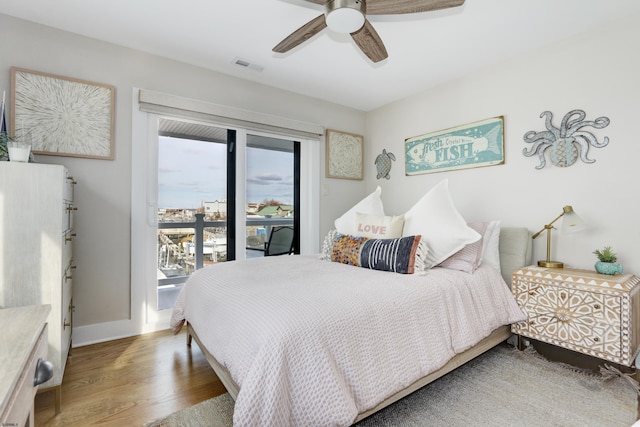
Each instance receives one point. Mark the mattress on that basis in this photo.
(311, 342)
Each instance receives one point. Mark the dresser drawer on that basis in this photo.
(67, 247)
(68, 190)
(67, 325)
(580, 320)
(21, 402)
(67, 292)
(68, 211)
(67, 314)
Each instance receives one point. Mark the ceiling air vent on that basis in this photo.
(246, 64)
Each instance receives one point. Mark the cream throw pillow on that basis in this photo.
(379, 226)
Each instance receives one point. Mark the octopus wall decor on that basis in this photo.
(566, 143)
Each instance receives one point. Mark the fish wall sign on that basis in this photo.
(468, 146)
(567, 142)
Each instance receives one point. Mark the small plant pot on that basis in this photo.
(610, 268)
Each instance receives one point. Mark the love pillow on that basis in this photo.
(379, 226)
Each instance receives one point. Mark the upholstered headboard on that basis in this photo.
(515, 250)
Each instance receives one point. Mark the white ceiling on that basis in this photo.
(425, 49)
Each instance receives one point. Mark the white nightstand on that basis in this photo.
(581, 310)
(23, 347)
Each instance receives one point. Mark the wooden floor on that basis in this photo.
(133, 381)
(130, 382)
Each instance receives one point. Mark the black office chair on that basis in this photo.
(280, 241)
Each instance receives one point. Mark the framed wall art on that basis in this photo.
(62, 116)
(344, 155)
(469, 146)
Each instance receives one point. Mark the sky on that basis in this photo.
(192, 172)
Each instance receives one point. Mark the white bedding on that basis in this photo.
(314, 343)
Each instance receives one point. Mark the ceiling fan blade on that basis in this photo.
(370, 42)
(393, 7)
(302, 34)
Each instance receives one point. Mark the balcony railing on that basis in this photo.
(199, 226)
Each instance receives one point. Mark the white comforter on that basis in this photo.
(314, 343)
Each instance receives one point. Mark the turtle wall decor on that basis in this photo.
(383, 164)
(568, 142)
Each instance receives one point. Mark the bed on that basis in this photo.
(297, 340)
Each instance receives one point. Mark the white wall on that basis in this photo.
(596, 72)
(102, 278)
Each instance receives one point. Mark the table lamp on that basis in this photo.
(570, 223)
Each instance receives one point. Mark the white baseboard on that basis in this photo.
(109, 331)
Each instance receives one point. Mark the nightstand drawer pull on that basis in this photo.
(596, 306)
(596, 339)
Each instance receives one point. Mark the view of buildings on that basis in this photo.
(176, 245)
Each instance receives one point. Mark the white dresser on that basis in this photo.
(36, 238)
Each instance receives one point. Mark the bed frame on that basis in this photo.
(515, 252)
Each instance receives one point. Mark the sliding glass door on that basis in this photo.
(197, 194)
(272, 191)
(192, 189)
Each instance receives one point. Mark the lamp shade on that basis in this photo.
(571, 222)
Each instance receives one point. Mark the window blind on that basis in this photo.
(185, 108)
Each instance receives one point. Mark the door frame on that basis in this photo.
(144, 163)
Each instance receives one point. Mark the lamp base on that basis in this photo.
(550, 264)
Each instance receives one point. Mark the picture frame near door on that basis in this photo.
(344, 157)
(62, 116)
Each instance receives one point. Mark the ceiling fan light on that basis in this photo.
(345, 16)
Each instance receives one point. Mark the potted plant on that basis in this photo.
(4, 150)
(607, 261)
(23, 154)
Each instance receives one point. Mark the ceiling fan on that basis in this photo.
(349, 16)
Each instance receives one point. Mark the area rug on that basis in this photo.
(503, 387)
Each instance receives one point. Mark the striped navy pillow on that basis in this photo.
(403, 255)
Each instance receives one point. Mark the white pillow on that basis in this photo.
(491, 245)
(436, 219)
(371, 205)
(379, 226)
